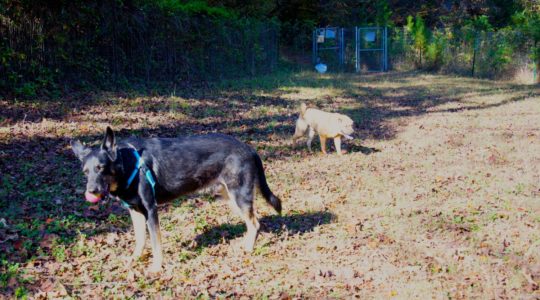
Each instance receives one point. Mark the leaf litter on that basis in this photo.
(437, 196)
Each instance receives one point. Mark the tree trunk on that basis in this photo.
(475, 48)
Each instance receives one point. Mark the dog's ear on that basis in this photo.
(109, 143)
(79, 149)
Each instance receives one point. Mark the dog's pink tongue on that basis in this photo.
(93, 198)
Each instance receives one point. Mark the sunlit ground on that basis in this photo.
(439, 195)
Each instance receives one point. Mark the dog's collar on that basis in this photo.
(138, 166)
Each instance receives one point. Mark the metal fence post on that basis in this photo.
(385, 68)
(359, 48)
(342, 47)
(314, 58)
(356, 49)
(382, 54)
(340, 50)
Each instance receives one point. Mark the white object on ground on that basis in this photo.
(321, 68)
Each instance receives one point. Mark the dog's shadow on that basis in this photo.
(352, 148)
(349, 148)
(292, 224)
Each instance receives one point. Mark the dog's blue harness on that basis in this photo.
(140, 165)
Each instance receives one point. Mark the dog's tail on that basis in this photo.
(270, 198)
(303, 108)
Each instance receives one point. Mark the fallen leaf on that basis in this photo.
(47, 286)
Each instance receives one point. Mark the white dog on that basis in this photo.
(326, 125)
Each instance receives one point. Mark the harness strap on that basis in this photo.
(140, 165)
(137, 167)
(125, 204)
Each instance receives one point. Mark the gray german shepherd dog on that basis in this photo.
(145, 172)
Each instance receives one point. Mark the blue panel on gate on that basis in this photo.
(369, 36)
(330, 34)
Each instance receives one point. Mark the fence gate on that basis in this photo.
(356, 49)
(328, 47)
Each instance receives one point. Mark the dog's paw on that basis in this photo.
(238, 246)
(247, 247)
(242, 246)
(130, 260)
(153, 271)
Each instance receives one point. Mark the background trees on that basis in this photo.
(48, 47)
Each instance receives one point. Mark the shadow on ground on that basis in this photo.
(41, 179)
(291, 224)
(353, 147)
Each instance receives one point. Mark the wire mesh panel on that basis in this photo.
(371, 47)
(328, 47)
(354, 49)
(349, 49)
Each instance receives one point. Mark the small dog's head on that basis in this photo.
(98, 166)
(346, 124)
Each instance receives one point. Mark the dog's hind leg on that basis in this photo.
(252, 224)
(322, 138)
(139, 227)
(155, 240)
(311, 135)
(241, 202)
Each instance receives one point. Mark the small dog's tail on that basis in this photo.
(270, 198)
(303, 108)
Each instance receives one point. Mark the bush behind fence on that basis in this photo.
(108, 46)
(502, 54)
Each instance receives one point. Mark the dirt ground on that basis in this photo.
(437, 197)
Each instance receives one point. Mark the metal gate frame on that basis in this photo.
(340, 46)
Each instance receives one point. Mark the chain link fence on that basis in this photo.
(117, 47)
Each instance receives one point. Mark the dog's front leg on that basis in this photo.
(337, 143)
(300, 130)
(152, 221)
(139, 227)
